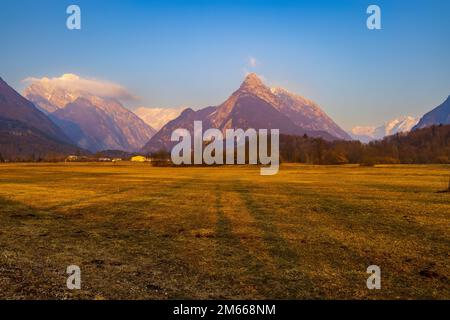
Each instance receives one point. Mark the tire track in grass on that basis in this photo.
(240, 271)
(249, 264)
(278, 247)
(334, 268)
(292, 282)
(187, 228)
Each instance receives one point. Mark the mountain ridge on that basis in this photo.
(369, 133)
(252, 105)
(438, 115)
(15, 107)
(118, 127)
(26, 133)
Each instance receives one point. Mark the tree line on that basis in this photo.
(427, 145)
(421, 146)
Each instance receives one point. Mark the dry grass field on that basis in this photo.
(140, 232)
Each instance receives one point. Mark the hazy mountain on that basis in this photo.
(25, 132)
(439, 115)
(94, 122)
(367, 134)
(253, 105)
(157, 117)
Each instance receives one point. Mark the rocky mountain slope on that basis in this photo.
(112, 126)
(255, 105)
(26, 133)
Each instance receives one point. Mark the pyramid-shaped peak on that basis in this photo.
(252, 76)
(252, 80)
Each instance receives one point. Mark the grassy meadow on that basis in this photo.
(141, 232)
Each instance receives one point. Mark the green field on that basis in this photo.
(141, 232)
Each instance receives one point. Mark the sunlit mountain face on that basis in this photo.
(255, 105)
(89, 113)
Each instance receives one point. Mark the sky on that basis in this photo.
(196, 53)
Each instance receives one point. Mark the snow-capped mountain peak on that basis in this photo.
(91, 118)
(369, 133)
(157, 117)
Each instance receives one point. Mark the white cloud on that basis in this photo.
(252, 62)
(74, 83)
(157, 117)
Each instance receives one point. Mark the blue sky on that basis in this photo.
(195, 53)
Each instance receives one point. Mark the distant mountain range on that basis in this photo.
(367, 134)
(439, 115)
(65, 121)
(26, 133)
(257, 106)
(92, 122)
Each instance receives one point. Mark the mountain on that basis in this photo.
(254, 105)
(439, 115)
(367, 134)
(93, 122)
(307, 114)
(89, 126)
(15, 107)
(25, 132)
(157, 117)
(161, 140)
(22, 142)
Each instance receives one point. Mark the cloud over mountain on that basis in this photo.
(252, 62)
(90, 112)
(73, 82)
